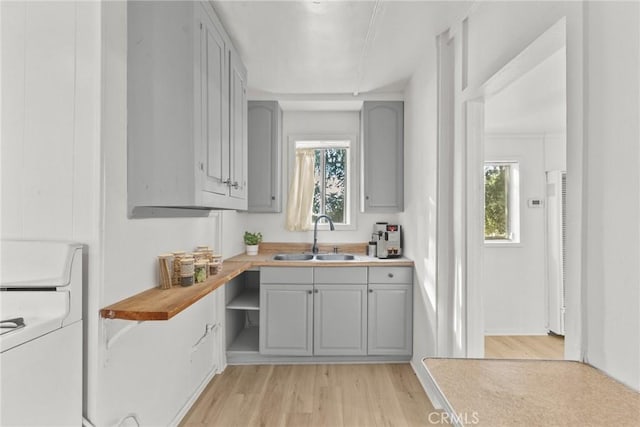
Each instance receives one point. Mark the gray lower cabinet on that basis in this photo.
(286, 319)
(390, 307)
(340, 320)
(286, 311)
(333, 311)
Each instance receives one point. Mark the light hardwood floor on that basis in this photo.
(313, 395)
(547, 347)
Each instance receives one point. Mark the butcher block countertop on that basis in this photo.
(159, 304)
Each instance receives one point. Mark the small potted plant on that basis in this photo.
(252, 240)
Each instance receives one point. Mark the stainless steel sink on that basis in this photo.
(310, 257)
(293, 257)
(335, 257)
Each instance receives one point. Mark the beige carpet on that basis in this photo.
(533, 393)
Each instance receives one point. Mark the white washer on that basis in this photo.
(40, 362)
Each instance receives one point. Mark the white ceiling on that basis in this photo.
(334, 47)
(535, 103)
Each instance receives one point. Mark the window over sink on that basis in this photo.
(321, 182)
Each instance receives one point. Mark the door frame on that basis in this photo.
(472, 160)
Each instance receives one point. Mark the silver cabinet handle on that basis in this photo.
(309, 292)
(370, 291)
(235, 185)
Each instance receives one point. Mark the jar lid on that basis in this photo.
(165, 256)
(201, 263)
(179, 253)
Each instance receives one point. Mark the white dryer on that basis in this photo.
(40, 333)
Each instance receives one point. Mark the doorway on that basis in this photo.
(517, 130)
(524, 165)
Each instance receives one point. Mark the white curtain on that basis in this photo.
(300, 200)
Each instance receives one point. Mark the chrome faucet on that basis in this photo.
(314, 248)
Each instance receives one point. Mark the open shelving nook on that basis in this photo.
(243, 314)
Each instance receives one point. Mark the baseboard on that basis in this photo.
(438, 399)
(194, 397)
(502, 333)
(427, 384)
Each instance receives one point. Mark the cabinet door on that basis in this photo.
(390, 319)
(238, 120)
(382, 148)
(215, 108)
(340, 320)
(265, 121)
(286, 319)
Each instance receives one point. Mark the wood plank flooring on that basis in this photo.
(314, 395)
(545, 347)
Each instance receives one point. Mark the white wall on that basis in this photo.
(613, 204)
(420, 161)
(514, 274)
(131, 246)
(50, 89)
(497, 33)
(603, 204)
(555, 152)
(301, 123)
(51, 166)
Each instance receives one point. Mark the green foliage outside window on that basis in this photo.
(329, 195)
(496, 202)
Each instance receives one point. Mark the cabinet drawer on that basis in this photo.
(280, 275)
(390, 275)
(340, 275)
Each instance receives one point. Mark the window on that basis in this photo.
(329, 191)
(330, 183)
(501, 202)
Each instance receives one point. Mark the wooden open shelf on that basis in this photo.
(163, 304)
(159, 304)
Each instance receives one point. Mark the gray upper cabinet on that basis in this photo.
(265, 154)
(383, 156)
(184, 109)
(238, 129)
(390, 307)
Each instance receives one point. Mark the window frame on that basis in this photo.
(352, 175)
(513, 199)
